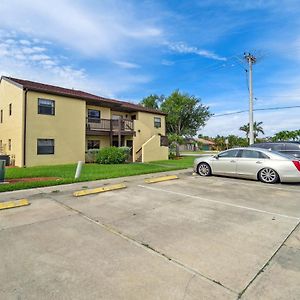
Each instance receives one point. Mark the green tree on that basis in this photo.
(185, 115)
(257, 128)
(152, 101)
(286, 135)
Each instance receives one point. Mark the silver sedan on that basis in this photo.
(253, 163)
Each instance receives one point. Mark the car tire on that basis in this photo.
(204, 169)
(268, 175)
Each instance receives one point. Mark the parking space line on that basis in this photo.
(221, 202)
(255, 184)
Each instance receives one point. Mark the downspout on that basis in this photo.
(25, 128)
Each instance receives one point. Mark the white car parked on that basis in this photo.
(253, 163)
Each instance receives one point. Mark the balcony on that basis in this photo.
(96, 126)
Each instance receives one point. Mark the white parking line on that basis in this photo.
(221, 202)
(254, 184)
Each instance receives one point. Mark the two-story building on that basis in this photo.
(42, 124)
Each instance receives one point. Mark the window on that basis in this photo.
(9, 145)
(1, 116)
(290, 146)
(157, 122)
(45, 146)
(91, 144)
(94, 116)
(276, 147)
(46, 107)
(10, 109)
(253, 154)
(1, 145)
(229, 153)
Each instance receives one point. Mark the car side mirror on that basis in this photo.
(216, 156)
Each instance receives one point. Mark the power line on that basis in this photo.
(257, 109)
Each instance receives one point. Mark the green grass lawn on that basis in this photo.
(89, 172)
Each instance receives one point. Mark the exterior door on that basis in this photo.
(225, 163)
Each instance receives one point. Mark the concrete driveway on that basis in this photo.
(190, 238)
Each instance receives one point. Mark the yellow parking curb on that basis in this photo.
(13, 204)
(159, 179)
(100, 190)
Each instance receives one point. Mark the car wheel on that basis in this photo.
(268, 175)
(204, 169)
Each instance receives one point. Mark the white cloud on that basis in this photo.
(166, 62)
(127, 65)
(181, 47)
(100, 29)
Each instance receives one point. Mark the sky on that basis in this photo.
(130, 49)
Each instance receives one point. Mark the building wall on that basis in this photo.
(66, 127)
(144, 128)
(152, 150)
(12, 126)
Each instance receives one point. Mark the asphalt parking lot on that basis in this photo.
(190, 238)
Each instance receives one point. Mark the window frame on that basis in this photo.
(40, 112)
(45, 153)
(157, 124)
(93, 141)
(92, 119)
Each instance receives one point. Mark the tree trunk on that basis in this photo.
(177, 150)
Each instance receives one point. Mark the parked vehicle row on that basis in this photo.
(252, 163)
(291, 148)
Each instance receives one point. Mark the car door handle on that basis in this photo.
(259, 162)
(233, 161)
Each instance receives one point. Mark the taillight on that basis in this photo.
(297, 164)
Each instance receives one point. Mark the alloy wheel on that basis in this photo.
(204, 169)
(268, 175)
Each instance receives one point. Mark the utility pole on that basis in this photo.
(251, 59)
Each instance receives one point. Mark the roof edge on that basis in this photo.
(12, 81)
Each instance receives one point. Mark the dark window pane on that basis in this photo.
(290, 146)
(46, 107)
(157, 122)
(45, 146)
(94, 116)
(93, 144)
(276, 147)
(229, 153)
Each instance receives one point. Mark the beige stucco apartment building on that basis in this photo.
(42, 124)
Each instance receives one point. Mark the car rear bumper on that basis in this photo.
(290, 178)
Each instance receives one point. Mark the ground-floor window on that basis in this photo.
(45, 146)
(9, 144)
(93, 144)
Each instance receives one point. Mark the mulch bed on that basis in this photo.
(32, 179)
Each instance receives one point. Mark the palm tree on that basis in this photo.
(257, 129)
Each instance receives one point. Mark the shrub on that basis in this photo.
(172, 155)
(112, 155)
(91, 155)
(126, 151)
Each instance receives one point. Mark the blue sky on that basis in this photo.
(130, 49)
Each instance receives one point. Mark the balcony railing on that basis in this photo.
(109, 125)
